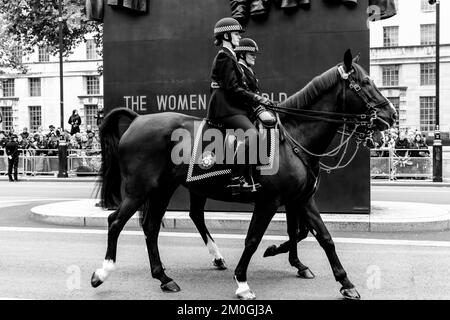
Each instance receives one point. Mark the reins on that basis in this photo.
(365, 121)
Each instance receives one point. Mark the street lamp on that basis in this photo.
(62, 148)
(437, 142)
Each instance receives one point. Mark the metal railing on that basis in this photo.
(401, 163)
(33, 162)
(385, 163)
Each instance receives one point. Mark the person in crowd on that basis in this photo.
(402, 145)
(24, 134)
(420, 147)
(75, 122)
(12, 151)
(100, 115)
(40, 144)
(3, 141)
(11, 133)
(40, 131)
(51, 132)
(53, 144)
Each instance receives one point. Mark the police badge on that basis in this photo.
(208, 160)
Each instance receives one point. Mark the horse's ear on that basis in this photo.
(356, 59)
(348, 60)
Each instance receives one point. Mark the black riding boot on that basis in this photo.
(242, 179)
(239, 10)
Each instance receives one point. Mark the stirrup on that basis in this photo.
(240, 185)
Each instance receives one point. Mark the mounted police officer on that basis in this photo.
(232, 102)
(246, 53)
(12, 151)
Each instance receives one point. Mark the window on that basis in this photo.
(390, 75)
(7, 114)
(425, 6)
(427, 34)
(427, 113)
(390, 36)
(427, 74)
(90, 111)
(91, 50)
(35, 117)
(34, 87)
(92, 85)
(17, 54)
(8, 87)
(44, 56)
(396, 102)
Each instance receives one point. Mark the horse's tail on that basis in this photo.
(113, 127)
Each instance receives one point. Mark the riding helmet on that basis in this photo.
(226, 25)
(247, 45)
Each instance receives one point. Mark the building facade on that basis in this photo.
(402, 59)
(33, 99)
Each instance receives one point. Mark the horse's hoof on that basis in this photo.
(246, 295)
(270, 251)
(170, 286)
(95, 280)
(305, 274)
(350, 294)
(220, 264)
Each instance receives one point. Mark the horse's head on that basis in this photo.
(361, 96)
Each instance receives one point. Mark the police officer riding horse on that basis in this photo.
(235, 98)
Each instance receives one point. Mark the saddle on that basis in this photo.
(216, 149)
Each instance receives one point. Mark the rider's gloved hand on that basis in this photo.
(265, 101)
(266, 117)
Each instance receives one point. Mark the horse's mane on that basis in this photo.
(316, 88)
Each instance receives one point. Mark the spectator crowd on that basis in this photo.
(46, 142)
(403, 143)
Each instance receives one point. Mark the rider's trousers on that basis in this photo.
(242, 122)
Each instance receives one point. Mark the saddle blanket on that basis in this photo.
(208, 162)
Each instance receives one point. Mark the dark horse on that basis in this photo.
(138, 171)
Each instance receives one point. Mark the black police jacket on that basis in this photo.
(230, 93)
(12, 149)
(251, 80)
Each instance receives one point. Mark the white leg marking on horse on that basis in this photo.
(107, 267)
(213, 249)
(243, 291)
(243, 288)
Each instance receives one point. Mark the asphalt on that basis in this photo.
(57, 264)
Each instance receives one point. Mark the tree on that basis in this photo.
(26, 24)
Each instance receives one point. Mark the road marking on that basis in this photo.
(412, 189)
(38, 199)
(389, 242)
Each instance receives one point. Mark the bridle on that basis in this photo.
(362, 124)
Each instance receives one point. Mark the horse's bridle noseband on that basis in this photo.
(367, 128)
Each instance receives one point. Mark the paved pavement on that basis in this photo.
(402, 212)
(385, 217)
(374, 182)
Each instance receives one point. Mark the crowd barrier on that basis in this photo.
(404, 164)
(45, 162)
(385, 163)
